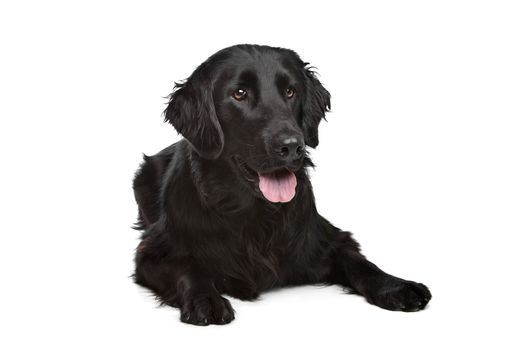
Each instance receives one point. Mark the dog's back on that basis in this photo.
(147, 185)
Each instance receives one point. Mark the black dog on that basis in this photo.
(230, 209)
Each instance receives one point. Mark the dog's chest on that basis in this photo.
(272, 254)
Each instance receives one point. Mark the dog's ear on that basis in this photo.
(314, 107)
(192, 112)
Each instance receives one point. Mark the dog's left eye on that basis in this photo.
(290, 92)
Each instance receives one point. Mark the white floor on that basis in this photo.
(83, 299)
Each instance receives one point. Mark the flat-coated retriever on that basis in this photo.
(230, 209)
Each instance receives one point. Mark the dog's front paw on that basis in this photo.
(397, 294)
(205, 309)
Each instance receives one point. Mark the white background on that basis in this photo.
(422, 157)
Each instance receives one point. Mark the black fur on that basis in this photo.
(209, 231)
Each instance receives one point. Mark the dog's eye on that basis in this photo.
(239, 94)
(290, 92)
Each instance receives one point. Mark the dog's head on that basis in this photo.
(256, 107)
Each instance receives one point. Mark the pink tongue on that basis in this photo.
(278, 188)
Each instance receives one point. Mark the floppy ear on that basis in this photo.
(315, 105)
(192, 112)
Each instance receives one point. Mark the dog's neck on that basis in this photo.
(218, 186)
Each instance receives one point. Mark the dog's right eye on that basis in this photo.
(239, 94)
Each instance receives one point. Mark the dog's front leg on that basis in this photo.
(182, 283)
(200, 302)
(352, 269)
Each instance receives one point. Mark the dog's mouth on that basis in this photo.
(277, 185)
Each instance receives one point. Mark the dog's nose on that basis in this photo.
(290, 148)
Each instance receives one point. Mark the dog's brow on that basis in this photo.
(248, 78)
(282, 81)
